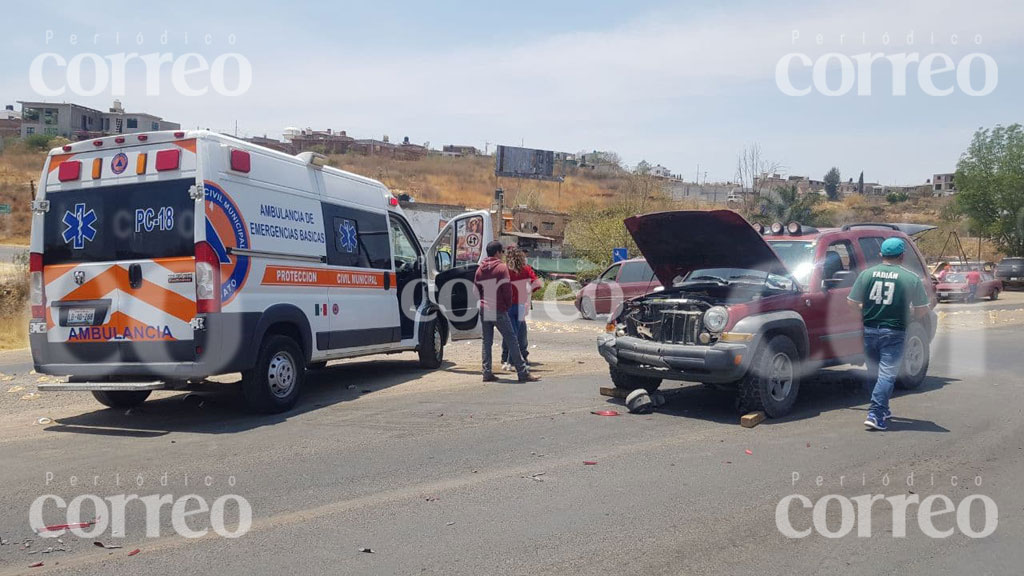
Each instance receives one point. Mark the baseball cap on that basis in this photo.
(893, 247)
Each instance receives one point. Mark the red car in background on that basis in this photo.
(954, 287)
(621, 281)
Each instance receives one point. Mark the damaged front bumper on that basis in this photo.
(718, 363)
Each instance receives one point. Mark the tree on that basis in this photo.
(785, 206)
(860, 183)
(990, 185)
(832, 180)
(595, 229)
(752, 168)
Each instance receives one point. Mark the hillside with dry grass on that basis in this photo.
(470, 181)
(19, 167)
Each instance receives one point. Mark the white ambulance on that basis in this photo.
(159, 259)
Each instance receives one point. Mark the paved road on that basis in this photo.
(441, 474)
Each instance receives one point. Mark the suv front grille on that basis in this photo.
(668, 326)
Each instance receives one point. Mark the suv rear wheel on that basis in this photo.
(625, 381)
(773, 380)
(916, 357)
(274, 383)
(121, 398)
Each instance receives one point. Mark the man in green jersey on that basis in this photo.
(886, 295)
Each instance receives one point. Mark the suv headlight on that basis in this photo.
(716, 318)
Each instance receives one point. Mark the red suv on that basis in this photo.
(623, 280)
(751, 309)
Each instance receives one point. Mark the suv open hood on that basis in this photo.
(675, 243)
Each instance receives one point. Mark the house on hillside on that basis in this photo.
(942, 185)
(76, 122)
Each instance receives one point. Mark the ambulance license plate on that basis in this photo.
(81, 316)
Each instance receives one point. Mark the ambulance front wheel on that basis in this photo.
(121, 398)
(274, 383)
(432, 345)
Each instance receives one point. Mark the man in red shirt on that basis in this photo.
(494, 287)
(973, 281)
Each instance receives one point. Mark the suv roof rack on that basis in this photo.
(870, 225)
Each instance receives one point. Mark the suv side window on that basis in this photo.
(912, 263)
(871, 247)
(610, 274)
(839, 257)
(636, 272)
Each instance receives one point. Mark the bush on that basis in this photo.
(896, 197)
(38, 141)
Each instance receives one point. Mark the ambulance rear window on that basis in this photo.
(139, 221)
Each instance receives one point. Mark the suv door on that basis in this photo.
(452, 262)
(834, 329)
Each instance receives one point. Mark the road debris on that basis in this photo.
(613, 392)
(134, 552)
(44, 420)
(366, 550)
(536, 476)
(59, 527)
(449, 524)
(605, 412)
(106, 546)
(590, 463)
(752, 419)
(639, 402)
(749, 452)
(36, 565)
(13, 389)
(30, 396)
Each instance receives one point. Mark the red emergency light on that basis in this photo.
(69, 170)
(168, 159)
(240, 161)
(142, 137)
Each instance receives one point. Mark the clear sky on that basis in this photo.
(681, 84)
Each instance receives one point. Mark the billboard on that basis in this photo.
(515, 162)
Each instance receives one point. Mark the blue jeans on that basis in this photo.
(517, 317)
(973, 295)
(884, 350)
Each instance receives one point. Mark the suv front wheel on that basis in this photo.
(773, 380)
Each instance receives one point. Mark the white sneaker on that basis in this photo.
(506, 367)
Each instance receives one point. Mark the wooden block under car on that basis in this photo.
(752, 419)
(613, 392)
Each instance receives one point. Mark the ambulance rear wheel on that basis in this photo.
(121, 398)
(432, 346)
(274, 383)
